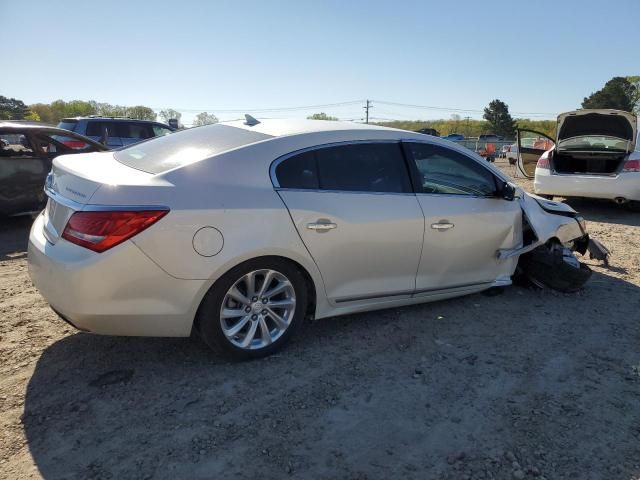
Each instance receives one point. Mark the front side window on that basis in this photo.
(362, 167)
(445, 171)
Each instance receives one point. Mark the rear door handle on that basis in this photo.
(322, 226)
(442, 226)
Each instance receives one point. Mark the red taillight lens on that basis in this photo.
(543, 162)
(75, 144)
(99, 231)
(631, 166)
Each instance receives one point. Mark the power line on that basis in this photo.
(261, 110)
(453, 109)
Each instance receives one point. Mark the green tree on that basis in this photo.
(321, 116)
(141, 113)
(170, 113)
(635, 81)
(500, 121)
(205, 118)
(617, 93)
(32, 116)
(43, 110)
(12, 109)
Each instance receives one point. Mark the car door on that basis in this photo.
(354, 209)
(531, 145)
(466, 221)
(23, 170)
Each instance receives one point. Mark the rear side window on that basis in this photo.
(182, 148)
(138, 131)
(68, 124)
(95, 129)
(299, 171)
(445, 171)
(365, 167)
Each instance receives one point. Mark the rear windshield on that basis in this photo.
(182, 148)
(68, 124)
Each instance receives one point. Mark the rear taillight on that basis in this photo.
(631, 166)
(99, 231)
(75, 144)
(543, 162)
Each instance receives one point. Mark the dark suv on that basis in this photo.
(120, 131)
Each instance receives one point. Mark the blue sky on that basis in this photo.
(539, 57)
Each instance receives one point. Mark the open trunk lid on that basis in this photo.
(73, 181)
(598, 122)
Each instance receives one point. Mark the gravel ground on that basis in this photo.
(526, 384)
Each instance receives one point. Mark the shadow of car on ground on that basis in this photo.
(460, 386)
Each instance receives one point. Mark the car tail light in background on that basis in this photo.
(543, 162)
(74, 144)
(631, 166)
(100, 231)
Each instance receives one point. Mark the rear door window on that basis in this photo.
(136, 131)
(365, 167)
(96, 128)
(361, 167)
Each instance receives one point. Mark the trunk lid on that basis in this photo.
(73, 181)
(598, 122)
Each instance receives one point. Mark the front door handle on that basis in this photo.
(442, 226)
(322, 226)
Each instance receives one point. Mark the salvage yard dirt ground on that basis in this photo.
(526, 384)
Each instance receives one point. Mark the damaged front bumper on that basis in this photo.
(545, 220)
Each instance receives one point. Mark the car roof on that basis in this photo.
(283, 127)
(114, 119)
(27, 125)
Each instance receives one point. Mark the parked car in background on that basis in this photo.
(429, 131)
(593, 156)
(26, 154)
(512, 153)
(278, 220)
(454, 137)
(120, 132)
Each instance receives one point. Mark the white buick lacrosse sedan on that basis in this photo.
(241, 230)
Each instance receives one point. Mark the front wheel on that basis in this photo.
(254, 309)
(554, 266)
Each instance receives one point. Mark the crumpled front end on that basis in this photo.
(553, 231)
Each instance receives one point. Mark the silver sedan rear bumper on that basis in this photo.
(119, 292)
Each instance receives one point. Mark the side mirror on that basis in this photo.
(507, 191)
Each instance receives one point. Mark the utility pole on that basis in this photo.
(467, 129)
(366, 109)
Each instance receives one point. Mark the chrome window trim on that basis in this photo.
(77, 207)
(359, 192)
(279, 160)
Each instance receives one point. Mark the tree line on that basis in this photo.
(621, 93)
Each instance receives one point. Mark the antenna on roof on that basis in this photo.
(249, 120)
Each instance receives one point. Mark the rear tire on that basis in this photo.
(546, 267)
(239, 318)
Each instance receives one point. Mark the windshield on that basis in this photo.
(68, 124)
(182, 148)
(595, 142)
